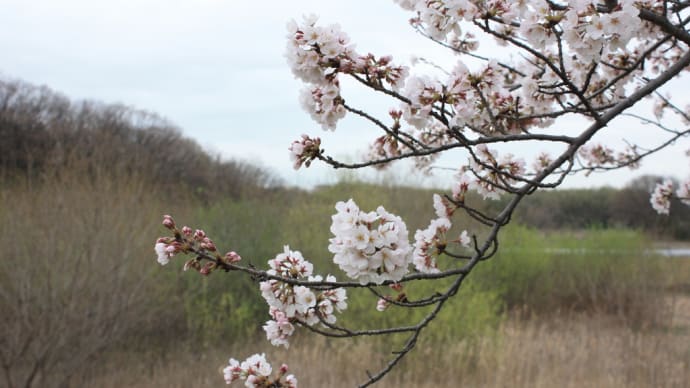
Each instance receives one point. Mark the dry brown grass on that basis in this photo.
(563, 351)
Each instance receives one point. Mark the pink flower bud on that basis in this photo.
(283, 369)
(381, 305)
(207, 269)
(187, 231)
(206, 243)
(199, 235)
(305, 150)
(168, 222)
(232, 257)
(395, 114)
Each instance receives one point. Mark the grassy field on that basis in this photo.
(89, 306)
(563, 350)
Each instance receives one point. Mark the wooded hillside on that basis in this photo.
(43, 131)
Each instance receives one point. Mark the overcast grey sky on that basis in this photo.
(216, 69)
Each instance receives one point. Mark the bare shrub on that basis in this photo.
(73, 282)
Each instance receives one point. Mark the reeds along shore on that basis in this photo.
(568, 350)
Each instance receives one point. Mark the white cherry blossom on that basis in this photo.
(369, 246)
(661, 196)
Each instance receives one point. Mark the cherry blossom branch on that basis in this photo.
(396, 134)
(421, 31)
(572, 62)
(261, 275)
(665, 25)
(465, 143)
(637, 158)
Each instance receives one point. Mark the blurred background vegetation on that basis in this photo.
(83, 186)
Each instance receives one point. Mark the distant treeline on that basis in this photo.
(43, 132)
(628, 207)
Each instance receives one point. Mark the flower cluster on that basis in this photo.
(663, 192)
(305, 150)
(378, 71)
(167, 247)
(290, 304)
(317, 54)
(492, 172)
(582, 25)
(324, 104)
(513, 96)
(569, 52)
(431, 242)
(256, 373)
(661, 197)
(598, 155)
(485, 100)
(314, 53)
(369, 247)
(188, 241)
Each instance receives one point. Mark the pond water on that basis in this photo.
(673, 252)
(666, 252)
